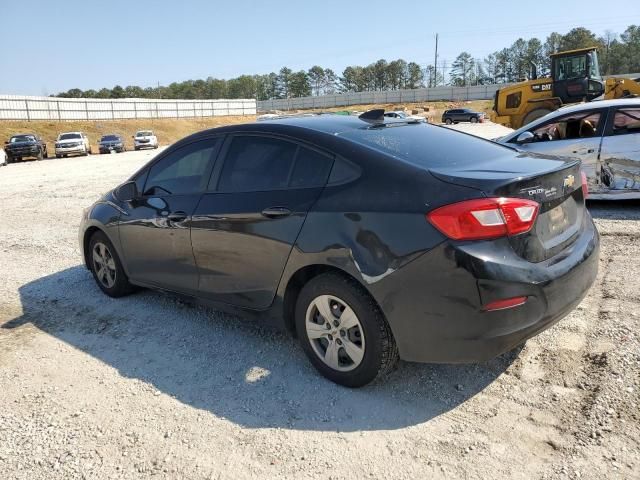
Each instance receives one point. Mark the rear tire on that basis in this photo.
(106, 267)
(535, 115)
(354, 346)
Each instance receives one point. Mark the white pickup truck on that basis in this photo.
(72, 143)
(145, 139)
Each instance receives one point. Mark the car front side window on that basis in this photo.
(569, 127)
(182, 171)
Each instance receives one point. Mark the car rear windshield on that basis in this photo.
(69, 136)
(109, 138)
(427, 146)
(143, 134)
(22, 138)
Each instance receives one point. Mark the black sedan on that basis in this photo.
(111, 143)
(369, 239)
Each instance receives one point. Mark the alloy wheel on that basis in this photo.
(335, 333)
(104, 265)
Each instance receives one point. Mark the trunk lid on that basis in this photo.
(553, 182)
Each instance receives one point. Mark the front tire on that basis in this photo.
(474, 120)
(106, 267)
(343, 331)
(448, 121)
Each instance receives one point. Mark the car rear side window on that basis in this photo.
(311, 169)
(255, 163)
(182, 171)
(626, 121)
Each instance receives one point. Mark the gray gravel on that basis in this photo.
(150, 386)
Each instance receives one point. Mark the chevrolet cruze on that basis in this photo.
(368, 239)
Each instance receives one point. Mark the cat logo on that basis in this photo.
(569, 181)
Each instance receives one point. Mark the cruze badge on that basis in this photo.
(569, 181)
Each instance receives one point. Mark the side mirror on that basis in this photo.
(6, 142)
(525, 137)
(126, 192)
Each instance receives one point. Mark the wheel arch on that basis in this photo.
(299, 279)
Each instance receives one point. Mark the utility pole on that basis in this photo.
(435, 65)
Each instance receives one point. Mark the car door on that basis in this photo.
(620, 154)
(155, 228)
(243, 230)
(577, 135)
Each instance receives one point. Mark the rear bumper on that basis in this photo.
(437, 315)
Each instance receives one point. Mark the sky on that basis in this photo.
(51, 46)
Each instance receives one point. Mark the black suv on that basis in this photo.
(25, 145)
(461, 115)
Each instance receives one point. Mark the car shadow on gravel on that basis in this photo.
(250, 375)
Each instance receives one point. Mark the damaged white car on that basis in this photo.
(605, 135)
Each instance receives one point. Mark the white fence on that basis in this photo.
(53, 108)
(479, 92)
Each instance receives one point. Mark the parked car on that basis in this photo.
(604, 135)
(461, 115)
(3, 158)
(26, 145)
(72, 143)
(111, 143)
(145, 139)
(368, 239)
(399, 114)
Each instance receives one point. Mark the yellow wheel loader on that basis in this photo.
(575, 77)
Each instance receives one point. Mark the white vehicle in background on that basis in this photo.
(72, 143)
(145, 139)
(3, 158)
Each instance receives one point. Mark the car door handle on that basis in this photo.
(276, 212)
(584, 150)
(177, 216)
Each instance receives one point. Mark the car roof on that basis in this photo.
(64, 133)
(619, 102)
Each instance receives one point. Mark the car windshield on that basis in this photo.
(22, 138)
(144, 134)
(110, 138)
(415, 144)
(69, 136)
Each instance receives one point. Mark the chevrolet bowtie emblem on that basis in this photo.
(569, 181)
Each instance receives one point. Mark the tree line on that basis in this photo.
(617, 54)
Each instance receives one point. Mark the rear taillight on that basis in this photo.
(485, 218)
(585, 187)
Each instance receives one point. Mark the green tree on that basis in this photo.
(317, 78)
(299, 85)
(579, 37)
(463, 70)
(284, 83)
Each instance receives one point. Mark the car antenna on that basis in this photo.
(375, 116)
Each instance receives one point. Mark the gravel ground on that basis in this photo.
(150, 386)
